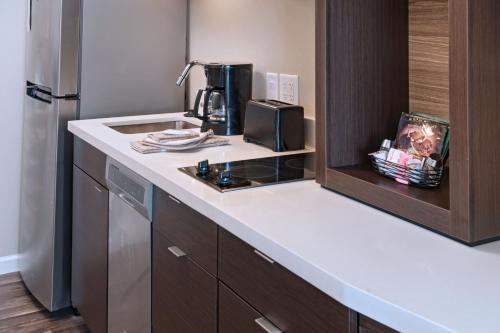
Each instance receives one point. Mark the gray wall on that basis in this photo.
(12, 29)
(275, 35)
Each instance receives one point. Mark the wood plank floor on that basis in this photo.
(21, 313)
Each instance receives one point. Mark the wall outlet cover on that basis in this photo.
(289, 88)
(272, 86)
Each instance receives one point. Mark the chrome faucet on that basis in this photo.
(185, 72)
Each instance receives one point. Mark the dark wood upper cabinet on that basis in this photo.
(284, 299)
(89, 276)
(377, 59)
(193, 233)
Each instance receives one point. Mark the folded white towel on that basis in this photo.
(200, 137)
(173, 135)
(156, 143)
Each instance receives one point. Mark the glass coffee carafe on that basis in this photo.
(216, 108)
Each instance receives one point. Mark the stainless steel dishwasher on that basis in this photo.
(129, 256)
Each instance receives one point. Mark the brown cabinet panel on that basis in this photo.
(89, 285)
(282, 297)
(90, 160)
(367, 325)
(184, 295)
(235, 315)
(192, 232)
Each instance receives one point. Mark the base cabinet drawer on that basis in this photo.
(235, 315)
(184, 295)
(284, 299)
(192, 232)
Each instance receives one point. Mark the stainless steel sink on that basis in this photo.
(152, 127)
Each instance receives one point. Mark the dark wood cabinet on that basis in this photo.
(90, 160)
(184, 294)
(367, 325)
(193, 233)
(283, 298)
(235, 315)
(377, 59)
(89, 274)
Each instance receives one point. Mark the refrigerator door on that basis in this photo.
(132, 52)
(45, 223)
(52, 45)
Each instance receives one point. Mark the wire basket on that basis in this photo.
(404, 175)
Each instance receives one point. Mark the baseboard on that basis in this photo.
(9, 264)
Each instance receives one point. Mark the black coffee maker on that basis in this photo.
(222, 104)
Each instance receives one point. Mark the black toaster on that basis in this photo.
(273, 124)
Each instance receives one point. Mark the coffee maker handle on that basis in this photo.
(208, 93)
(197, 102)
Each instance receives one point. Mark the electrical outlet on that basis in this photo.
(289, 88)
(272, 86)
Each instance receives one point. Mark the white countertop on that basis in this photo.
(404, 276)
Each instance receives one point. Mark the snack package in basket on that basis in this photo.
(422, 136)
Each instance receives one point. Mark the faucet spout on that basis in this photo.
(187, 70)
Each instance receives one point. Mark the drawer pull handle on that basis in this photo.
(263, 256)
(177, 252)
(174, 199)
(267, 326)
(98, 189)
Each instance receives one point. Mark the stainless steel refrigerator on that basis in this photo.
(85, 59)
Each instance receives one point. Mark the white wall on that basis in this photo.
(275, 35)
(12, 29)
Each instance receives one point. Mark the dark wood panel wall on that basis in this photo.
(366, 74)
(429, 57)
(475, 118)
(484, 116)
(459, 120)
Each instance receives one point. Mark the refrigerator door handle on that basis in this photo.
(30, 14)
(39, 93)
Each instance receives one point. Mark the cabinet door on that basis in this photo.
(235, 315)
(192, 232)
(90, 160)
(90, 251)
(184, 294)
(288, 302)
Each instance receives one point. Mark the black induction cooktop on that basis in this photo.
(244, 174)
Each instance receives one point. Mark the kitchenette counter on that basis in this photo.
(399, 274)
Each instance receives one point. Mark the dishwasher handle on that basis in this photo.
(132, 189)
(128, 201)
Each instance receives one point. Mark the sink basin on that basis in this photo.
(152, 127)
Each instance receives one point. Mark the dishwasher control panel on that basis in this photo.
(130, 187)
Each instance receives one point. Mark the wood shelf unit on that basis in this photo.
(377, 59)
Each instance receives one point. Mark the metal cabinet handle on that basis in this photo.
(267, 326)
(263, 256)
(174, 199)
(98, 189)
(177, 252)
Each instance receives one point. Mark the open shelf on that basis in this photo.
(377, 59)
(420, 205)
